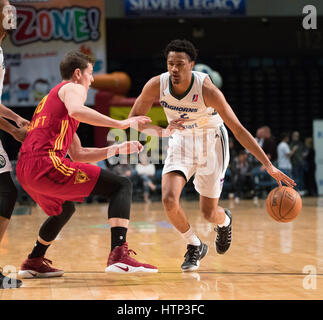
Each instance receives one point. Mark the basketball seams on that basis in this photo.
(281, 201)
(269, 205)
(292, 207)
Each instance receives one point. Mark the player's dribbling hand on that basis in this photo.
(280, 176)
(134, 122)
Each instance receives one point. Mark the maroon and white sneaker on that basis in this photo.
(121, 262)
(38, 268)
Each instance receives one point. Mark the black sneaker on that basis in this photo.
(193, 256)
(7, 283)
(224, 236)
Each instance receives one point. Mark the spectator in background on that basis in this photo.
(297, 160)
(269, 144)
(309, 167)
(261, 179)
(146, 172)
(284, 154)
(260, 136)
(241, 175)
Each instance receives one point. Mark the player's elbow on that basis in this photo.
(237, 130)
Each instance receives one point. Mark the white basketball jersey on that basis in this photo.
(190, 106)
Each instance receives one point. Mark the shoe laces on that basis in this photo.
(123, 252)
(224, 234)
(192, 254)
(47, 262)
(126, 251)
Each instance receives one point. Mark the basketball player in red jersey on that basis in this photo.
(8, 191)
(55, 181)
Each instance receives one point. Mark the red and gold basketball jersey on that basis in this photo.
(51, 129)
(42, 168)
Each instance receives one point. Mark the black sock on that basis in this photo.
(38, 251)
(118, 236)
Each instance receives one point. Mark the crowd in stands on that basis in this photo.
(247, 178)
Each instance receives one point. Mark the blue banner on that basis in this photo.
(184, 8)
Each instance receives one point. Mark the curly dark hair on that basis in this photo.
(181, 46)
(73, 60)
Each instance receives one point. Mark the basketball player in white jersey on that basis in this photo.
(8, 191)
(196, 111)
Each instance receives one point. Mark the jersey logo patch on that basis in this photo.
(195, 97)
(81, 177)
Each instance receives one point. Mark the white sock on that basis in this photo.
(191, 237)
(226, 222)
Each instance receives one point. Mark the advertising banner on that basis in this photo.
(182, 8)
(45, 31)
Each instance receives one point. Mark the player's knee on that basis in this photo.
(126, 185)
(60, 220)
(170, 202)
(68, 210)
(54, 224)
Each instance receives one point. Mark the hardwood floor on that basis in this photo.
(267, 259)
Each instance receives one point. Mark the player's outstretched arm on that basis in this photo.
(74, 97)
(18, 133)
(9, 114)
(80, 154)
(214, 97)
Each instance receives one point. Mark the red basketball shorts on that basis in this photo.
(51, 180)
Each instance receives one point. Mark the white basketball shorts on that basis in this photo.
(205, 155)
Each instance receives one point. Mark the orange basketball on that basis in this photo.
(283, 204)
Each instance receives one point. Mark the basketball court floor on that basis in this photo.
(267, 260)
